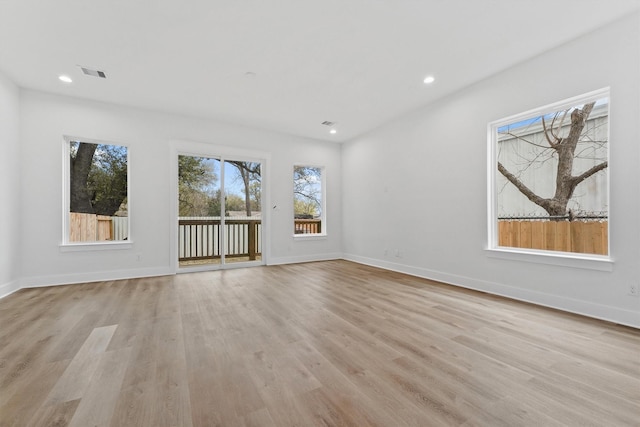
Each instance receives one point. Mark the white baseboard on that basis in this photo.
(9, 288)
(584, 308)
(304, 258)
(94, 276)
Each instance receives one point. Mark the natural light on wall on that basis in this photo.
(549, 178)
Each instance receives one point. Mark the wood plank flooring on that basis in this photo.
(327, 344)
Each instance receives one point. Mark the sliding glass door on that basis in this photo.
(220, 211)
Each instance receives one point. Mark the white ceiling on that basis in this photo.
(358, 63)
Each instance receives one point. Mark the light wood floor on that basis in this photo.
(328, 344)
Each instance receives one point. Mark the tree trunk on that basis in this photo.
(80, 199)
(566, 148)
(246, 170)
(247, 196)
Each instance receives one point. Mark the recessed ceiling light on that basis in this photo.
(333, 131)
(64, 78)
(429, 79)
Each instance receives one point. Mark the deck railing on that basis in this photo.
(307, 226)
(200, 239)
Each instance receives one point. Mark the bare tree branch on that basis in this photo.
(546, 134)
(522, 187)
(527, 141)
(559, 127)
(586, 174)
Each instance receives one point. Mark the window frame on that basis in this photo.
(66, 245)
(570, 259)
(323, 202)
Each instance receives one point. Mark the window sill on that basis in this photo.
(563, 259)
(95, 246)
(318, 236)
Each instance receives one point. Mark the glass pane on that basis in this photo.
(243, 210)
(307, 199)
(199, 210)
(98, 204)
(552, 185)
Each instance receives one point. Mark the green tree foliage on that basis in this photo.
(255, 193)
(213, 205)
(196, 196)
(304, 209)
(98, 178)
(234, 203)
(109, 179)
(199, 196)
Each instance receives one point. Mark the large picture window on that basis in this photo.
(96, 190)
(549, 178)
(308, 200)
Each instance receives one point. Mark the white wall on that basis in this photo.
(418, 185)
(9, 186)
(150, 137)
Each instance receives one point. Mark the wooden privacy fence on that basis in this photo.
(97, 228)
(200, 239)
(586, 237)
(89, 227)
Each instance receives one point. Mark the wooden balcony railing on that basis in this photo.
(307, 226)
(200, 239)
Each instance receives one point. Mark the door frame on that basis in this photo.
(198, 149)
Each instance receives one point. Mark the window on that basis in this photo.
(308, 200)
(549, 180)
(96, 192)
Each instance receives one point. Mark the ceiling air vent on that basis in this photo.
(94, 73)
(328, 123)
